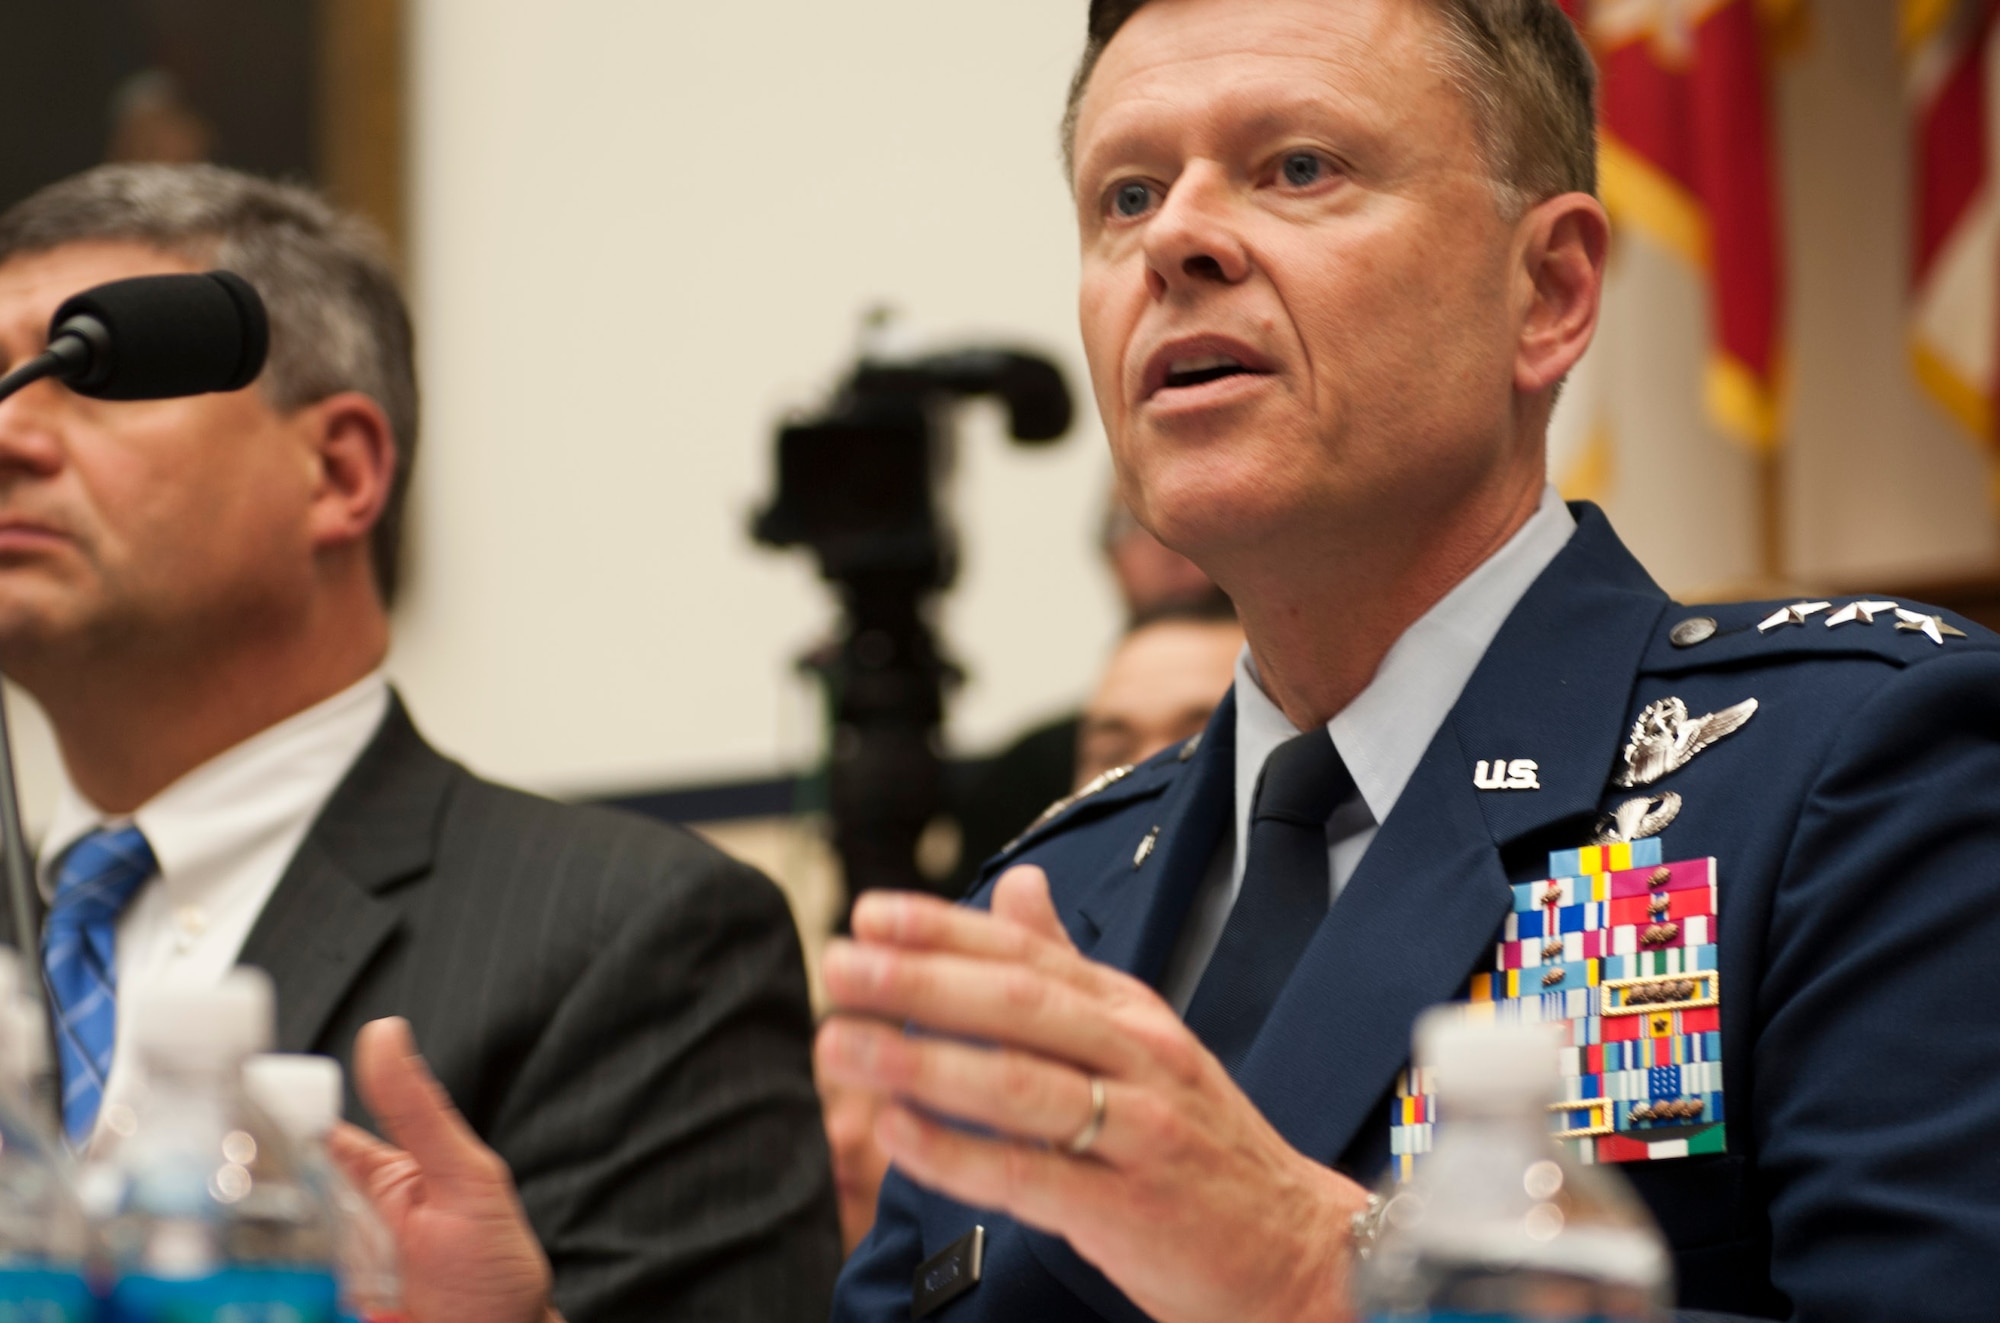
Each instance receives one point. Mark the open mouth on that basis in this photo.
(1200, 361)
(1203, 369)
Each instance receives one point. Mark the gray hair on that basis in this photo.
(1521, 66)
(338, 320)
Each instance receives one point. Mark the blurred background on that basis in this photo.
(641, 233)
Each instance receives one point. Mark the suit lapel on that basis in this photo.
(1423, 908)
(328, 918)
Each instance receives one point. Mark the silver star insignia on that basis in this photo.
(1933, 628)
(1865, 612)
(1636, 819)
(1665, 739)
(1795, 614)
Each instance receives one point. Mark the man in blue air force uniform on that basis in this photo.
(1336, 260)
(1327, 308)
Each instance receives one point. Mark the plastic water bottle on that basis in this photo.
(43, 1237)
(204, 1208)
(1500, 1222)
(302, 1094)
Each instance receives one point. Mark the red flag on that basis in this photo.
(1955, 267)
(1685, 154)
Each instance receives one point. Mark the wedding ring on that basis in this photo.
(1080, 1143)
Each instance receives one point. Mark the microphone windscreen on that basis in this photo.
(165, 336)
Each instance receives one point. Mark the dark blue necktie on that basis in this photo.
(1286, 886)
(95, 879)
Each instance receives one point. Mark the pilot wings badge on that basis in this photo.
(1665, 738)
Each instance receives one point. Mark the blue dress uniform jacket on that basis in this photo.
(1855, 820)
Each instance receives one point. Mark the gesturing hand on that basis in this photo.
(1186, 1197)
(468, 1253)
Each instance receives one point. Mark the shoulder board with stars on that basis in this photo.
(1904, 632)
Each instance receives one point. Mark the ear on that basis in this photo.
(1564, 244)
(354, 454)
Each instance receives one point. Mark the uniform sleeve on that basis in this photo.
(664, 1130)
(1875, 1105)
(875, 1285)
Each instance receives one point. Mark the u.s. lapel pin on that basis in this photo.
(1146, 844)
(1507, 774)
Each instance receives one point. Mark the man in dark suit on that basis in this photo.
(196, 591)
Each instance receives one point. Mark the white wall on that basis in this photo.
(643, 230)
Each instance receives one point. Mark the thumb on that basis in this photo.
(415, 1112)
(1022, 896)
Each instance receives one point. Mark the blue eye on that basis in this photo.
(1302, 168)
(1132, 199)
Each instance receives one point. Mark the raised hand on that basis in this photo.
(1182, 1193)
(468, 1254)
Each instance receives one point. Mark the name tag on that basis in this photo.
(948, 1274)
(1619, 950)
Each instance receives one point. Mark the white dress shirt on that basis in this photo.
(1381, 735)
(223, 835)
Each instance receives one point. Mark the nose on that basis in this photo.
(30, 432)
(1192, 241)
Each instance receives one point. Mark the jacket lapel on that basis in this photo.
(327, 918)
(1422, 910)
(1138, 912)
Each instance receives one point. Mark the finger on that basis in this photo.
(360, 1154)
(915, 923)
(1047, 1190)
(416, 1112)
(384, 1173)
(1022, 1095)
(1011, 1003)
(1022, 896)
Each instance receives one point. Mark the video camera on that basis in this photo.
(862, 486)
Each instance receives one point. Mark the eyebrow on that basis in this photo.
(1266, 118)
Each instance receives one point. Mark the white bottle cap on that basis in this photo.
(301, 1093)
(1487, 1061)
(202, 1024)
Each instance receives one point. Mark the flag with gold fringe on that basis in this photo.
(1948, 50)
(1686, 156)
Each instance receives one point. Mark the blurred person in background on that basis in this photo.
(1039, 767)
(196, 591)
(1160, 687)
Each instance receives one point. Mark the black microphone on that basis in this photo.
(153, 338)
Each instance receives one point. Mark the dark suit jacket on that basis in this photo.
(1856, 824)
(618, 1009)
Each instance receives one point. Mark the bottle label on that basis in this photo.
(44, 1295)
(240, 1295)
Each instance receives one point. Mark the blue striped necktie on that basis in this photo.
(95, 879)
